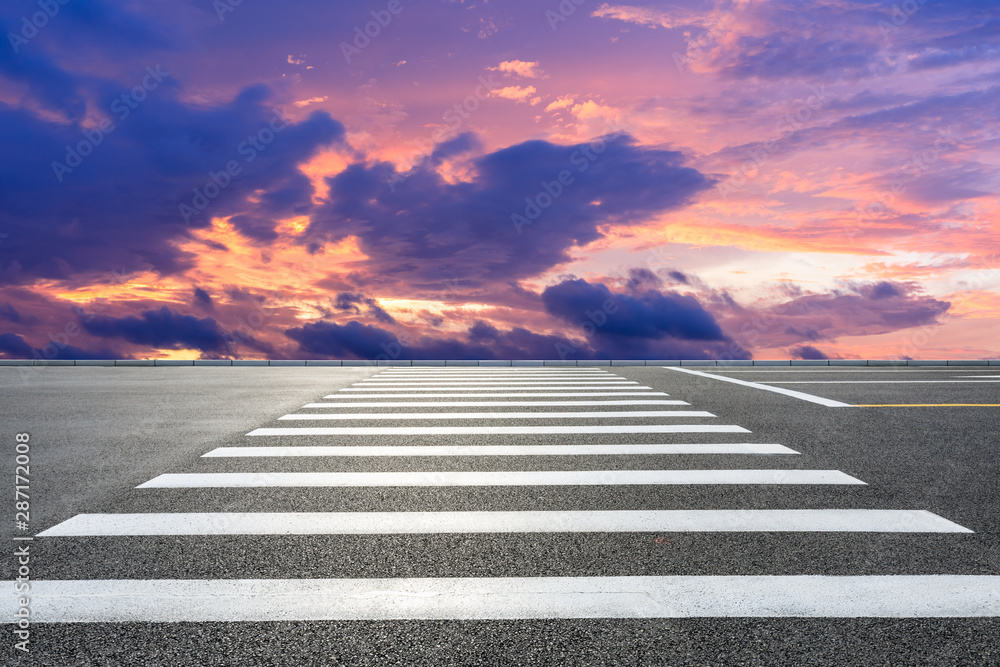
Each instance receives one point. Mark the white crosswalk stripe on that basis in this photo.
(508, 386)
(525, 394)
(411, 523)
(499, 430)
(483, 404)
(623, 414)
(505, 450)
(519, 478)
(485, 598)
(253, 469)
(415, 383)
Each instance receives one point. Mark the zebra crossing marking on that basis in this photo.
(498, 430)
(483, 404)
(502, 450)
(623, 414)
(493, 598)
(495, 478)
(419, 523)
(525, 394)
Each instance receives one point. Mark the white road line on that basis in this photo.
(505, 374)
(623, 414)
(518, 404)
(778, 390)
(884, 382)
(491, 369)
(494, 376)
(526, 394)
(495, 598)
(858, 369)
(590, 387)
(493, 478)
(604, 521)
(504, 450)
(499, 430)
(492, 383)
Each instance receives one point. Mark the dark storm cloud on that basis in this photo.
(482, 341)
(10, 313)
(601, 325)
(351, 301)
(15, 347)
(203, 299)
(807, 352)
(651, 314)
(120, 205)
(426, 230)
(161, 328)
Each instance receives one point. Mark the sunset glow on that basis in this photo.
(739, 178)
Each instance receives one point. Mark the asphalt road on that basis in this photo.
(98, 433)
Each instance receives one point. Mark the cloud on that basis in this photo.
(422, 231)
(647, 315)
(564, 102)
(10, 313)
(636, 15)
(807, 352)
(120, 205)
(786, 54)
(601, 325)
(14, 346)
(161, 328)
(43, 80)
(203, 299)
(481, 341)
(641, 280)
(348, 301)
(858, 309)
(311, 100)
(518, 94)
(519, 68)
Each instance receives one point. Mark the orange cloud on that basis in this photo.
(518, 94)
(518, 68)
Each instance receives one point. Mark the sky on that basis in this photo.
(499, 179)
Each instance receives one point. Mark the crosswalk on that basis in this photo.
(545, 430)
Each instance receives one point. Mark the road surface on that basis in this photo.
(625, 515)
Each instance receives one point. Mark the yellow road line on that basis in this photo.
(930, 405)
